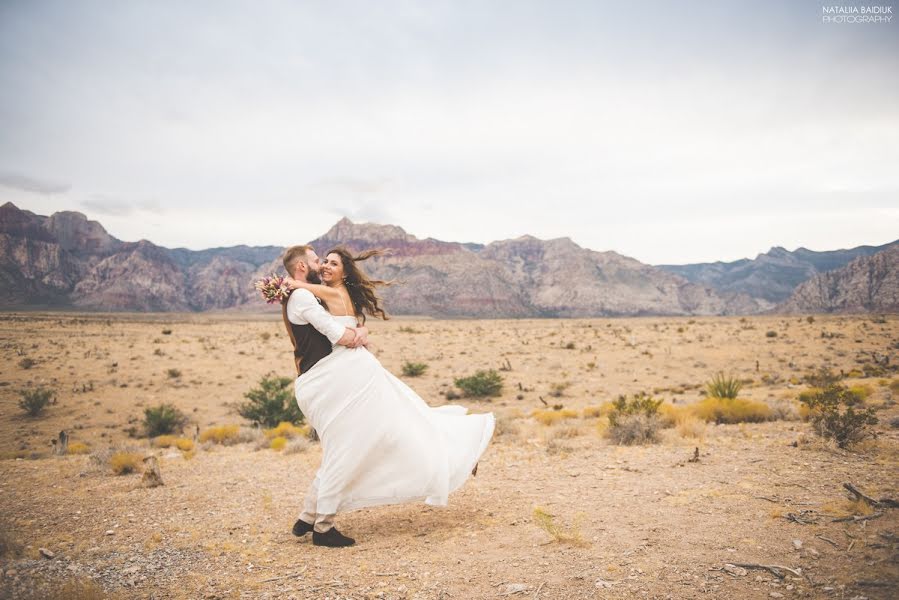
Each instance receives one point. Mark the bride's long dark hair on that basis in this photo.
(359, 285)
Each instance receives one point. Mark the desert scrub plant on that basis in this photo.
(286, 430)
(34, 401)
(820, 378)
(634, 421)
(689, 426)
(223, 434)
(271, 403)
(123, 463)
(278, 443)
(551, 417)
(723, 387)
(77, 448)
(296, 446)
(736, 410)
(173, 373)
(163, 419)
(27, 363)
(481, 384)
(167, 441)
(833, 415)
(566, 535)
(593, 412)
(414, 369)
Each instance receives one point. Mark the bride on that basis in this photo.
(381, 443)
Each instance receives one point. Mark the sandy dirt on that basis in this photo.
(634, 521)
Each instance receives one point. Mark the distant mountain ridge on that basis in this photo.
(68, 261)
(771, 276)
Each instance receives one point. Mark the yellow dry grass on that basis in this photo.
(223, 434)
(123, 463)
(551, 417)
(286, 430)
(738, 410)
(77, 448)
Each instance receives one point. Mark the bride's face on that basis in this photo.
(332, 269)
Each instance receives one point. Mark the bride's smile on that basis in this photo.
(332, 270)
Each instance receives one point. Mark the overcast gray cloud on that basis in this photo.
(25, 183)
(670, 132)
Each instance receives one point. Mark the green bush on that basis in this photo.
(273, 402)
(481, 384)
(34, 401)
(723, 387)
(163, 419)
(411, 369)
(832, 411)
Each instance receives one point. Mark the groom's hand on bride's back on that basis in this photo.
(361, 337)
(354, 337)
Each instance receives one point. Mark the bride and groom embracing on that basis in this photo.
(381, 443)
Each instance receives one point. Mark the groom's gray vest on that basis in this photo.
(309, 344)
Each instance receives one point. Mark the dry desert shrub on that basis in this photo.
(297, 445)
(226, 435)
(784, 409)
(506, 425)
(559, 533)
(634, 421)
(552, 417)
(286, 430)
(565, 430)
(278, 443)
(77, 448)
(602, 410)
(167, 441)
(123, 463)
(737, 410)
(634, 429)
(689, 426)
(669, 414)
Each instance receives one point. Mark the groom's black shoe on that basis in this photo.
(332, 538)
(301, 528)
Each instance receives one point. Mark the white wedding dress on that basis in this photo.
(381, 443)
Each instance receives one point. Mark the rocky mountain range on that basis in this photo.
(68, 261)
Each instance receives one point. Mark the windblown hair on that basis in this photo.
(360, 287)
(293, 255)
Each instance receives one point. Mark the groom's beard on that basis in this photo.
(313, 277)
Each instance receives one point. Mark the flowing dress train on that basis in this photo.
(381, 443)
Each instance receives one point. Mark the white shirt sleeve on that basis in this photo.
(302, 308)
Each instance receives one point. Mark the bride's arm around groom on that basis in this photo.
(302, 308)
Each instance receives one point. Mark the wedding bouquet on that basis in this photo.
(273, 289)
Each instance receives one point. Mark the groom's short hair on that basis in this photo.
(293, 255)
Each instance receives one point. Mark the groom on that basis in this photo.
(313, 331)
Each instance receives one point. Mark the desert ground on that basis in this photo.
(557, 509)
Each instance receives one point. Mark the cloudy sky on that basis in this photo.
(672, 132)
